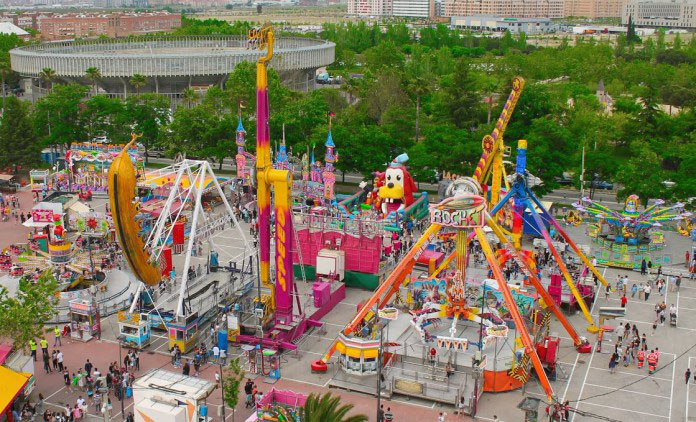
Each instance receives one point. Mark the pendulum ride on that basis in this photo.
(182, 228)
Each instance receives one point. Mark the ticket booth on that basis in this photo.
(183, 332)
(134, 329)
(84, 319)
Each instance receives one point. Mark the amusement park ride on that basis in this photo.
(627, 237)
(468, 212)
(183, 224)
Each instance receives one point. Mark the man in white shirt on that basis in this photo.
(216, 353)
(59, 358)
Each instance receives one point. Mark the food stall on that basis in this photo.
(134, 329)
(84, 319)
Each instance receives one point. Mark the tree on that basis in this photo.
(5, 71)
(18, 142)
(104, 116)
(631, 35)
(147, 114)
(25, 313)
(138, 81)
(47, 76)
(419, 87)
(232, 379)
(461, 99)
(328, 408)
(190, 96)
(58, 116)
(93, 74)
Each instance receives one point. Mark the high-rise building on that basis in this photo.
(370, 7)
(413, 8)
(505, 8)
(593, 8)
(671, 14)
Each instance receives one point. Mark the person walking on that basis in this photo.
(634, 290)
(388, 415)
(56, 342)
(687, 375)
(643, 267)
(624, 300)
(646, 291)
(59, 357)
(612, 362)
(32, 347)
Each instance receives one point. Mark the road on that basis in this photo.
(563, 195)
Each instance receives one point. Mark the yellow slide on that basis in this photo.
(121, 195)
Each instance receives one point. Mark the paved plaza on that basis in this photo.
(628, 394)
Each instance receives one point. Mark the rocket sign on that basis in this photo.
(463, 212)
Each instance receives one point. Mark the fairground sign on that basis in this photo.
(464, 212)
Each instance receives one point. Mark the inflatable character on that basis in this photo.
(396, 192)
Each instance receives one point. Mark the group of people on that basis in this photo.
(10, 207)
(632, 346)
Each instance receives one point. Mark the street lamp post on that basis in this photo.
(120, 384)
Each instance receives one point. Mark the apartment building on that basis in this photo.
(667, 14)
(505, 8)
(71, 26)
(593, 8)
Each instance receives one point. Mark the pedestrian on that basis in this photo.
(612, 362)
(624, 300)
(634, 290)
(441, 417)
(607, 290)
(687, 375)
(66, 379)
(137, 360)
(223, 357)
(56, 331)
(646, 291)
(32, 347)
(88, 367)
(388, 415)
(47, 364)
(44, 346)
(186, 370)
(643, 267)
(59, 357)
(654, 328)
(216, 353)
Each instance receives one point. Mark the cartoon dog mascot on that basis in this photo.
(397, 187)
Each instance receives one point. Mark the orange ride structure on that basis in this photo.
(468, 213)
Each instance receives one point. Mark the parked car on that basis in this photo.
(601, 184)
(564, 181)
(155, 153)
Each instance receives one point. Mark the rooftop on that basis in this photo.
(175, 383)
(10, 28)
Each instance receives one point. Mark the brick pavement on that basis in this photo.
(12, 230)
(101, 353)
